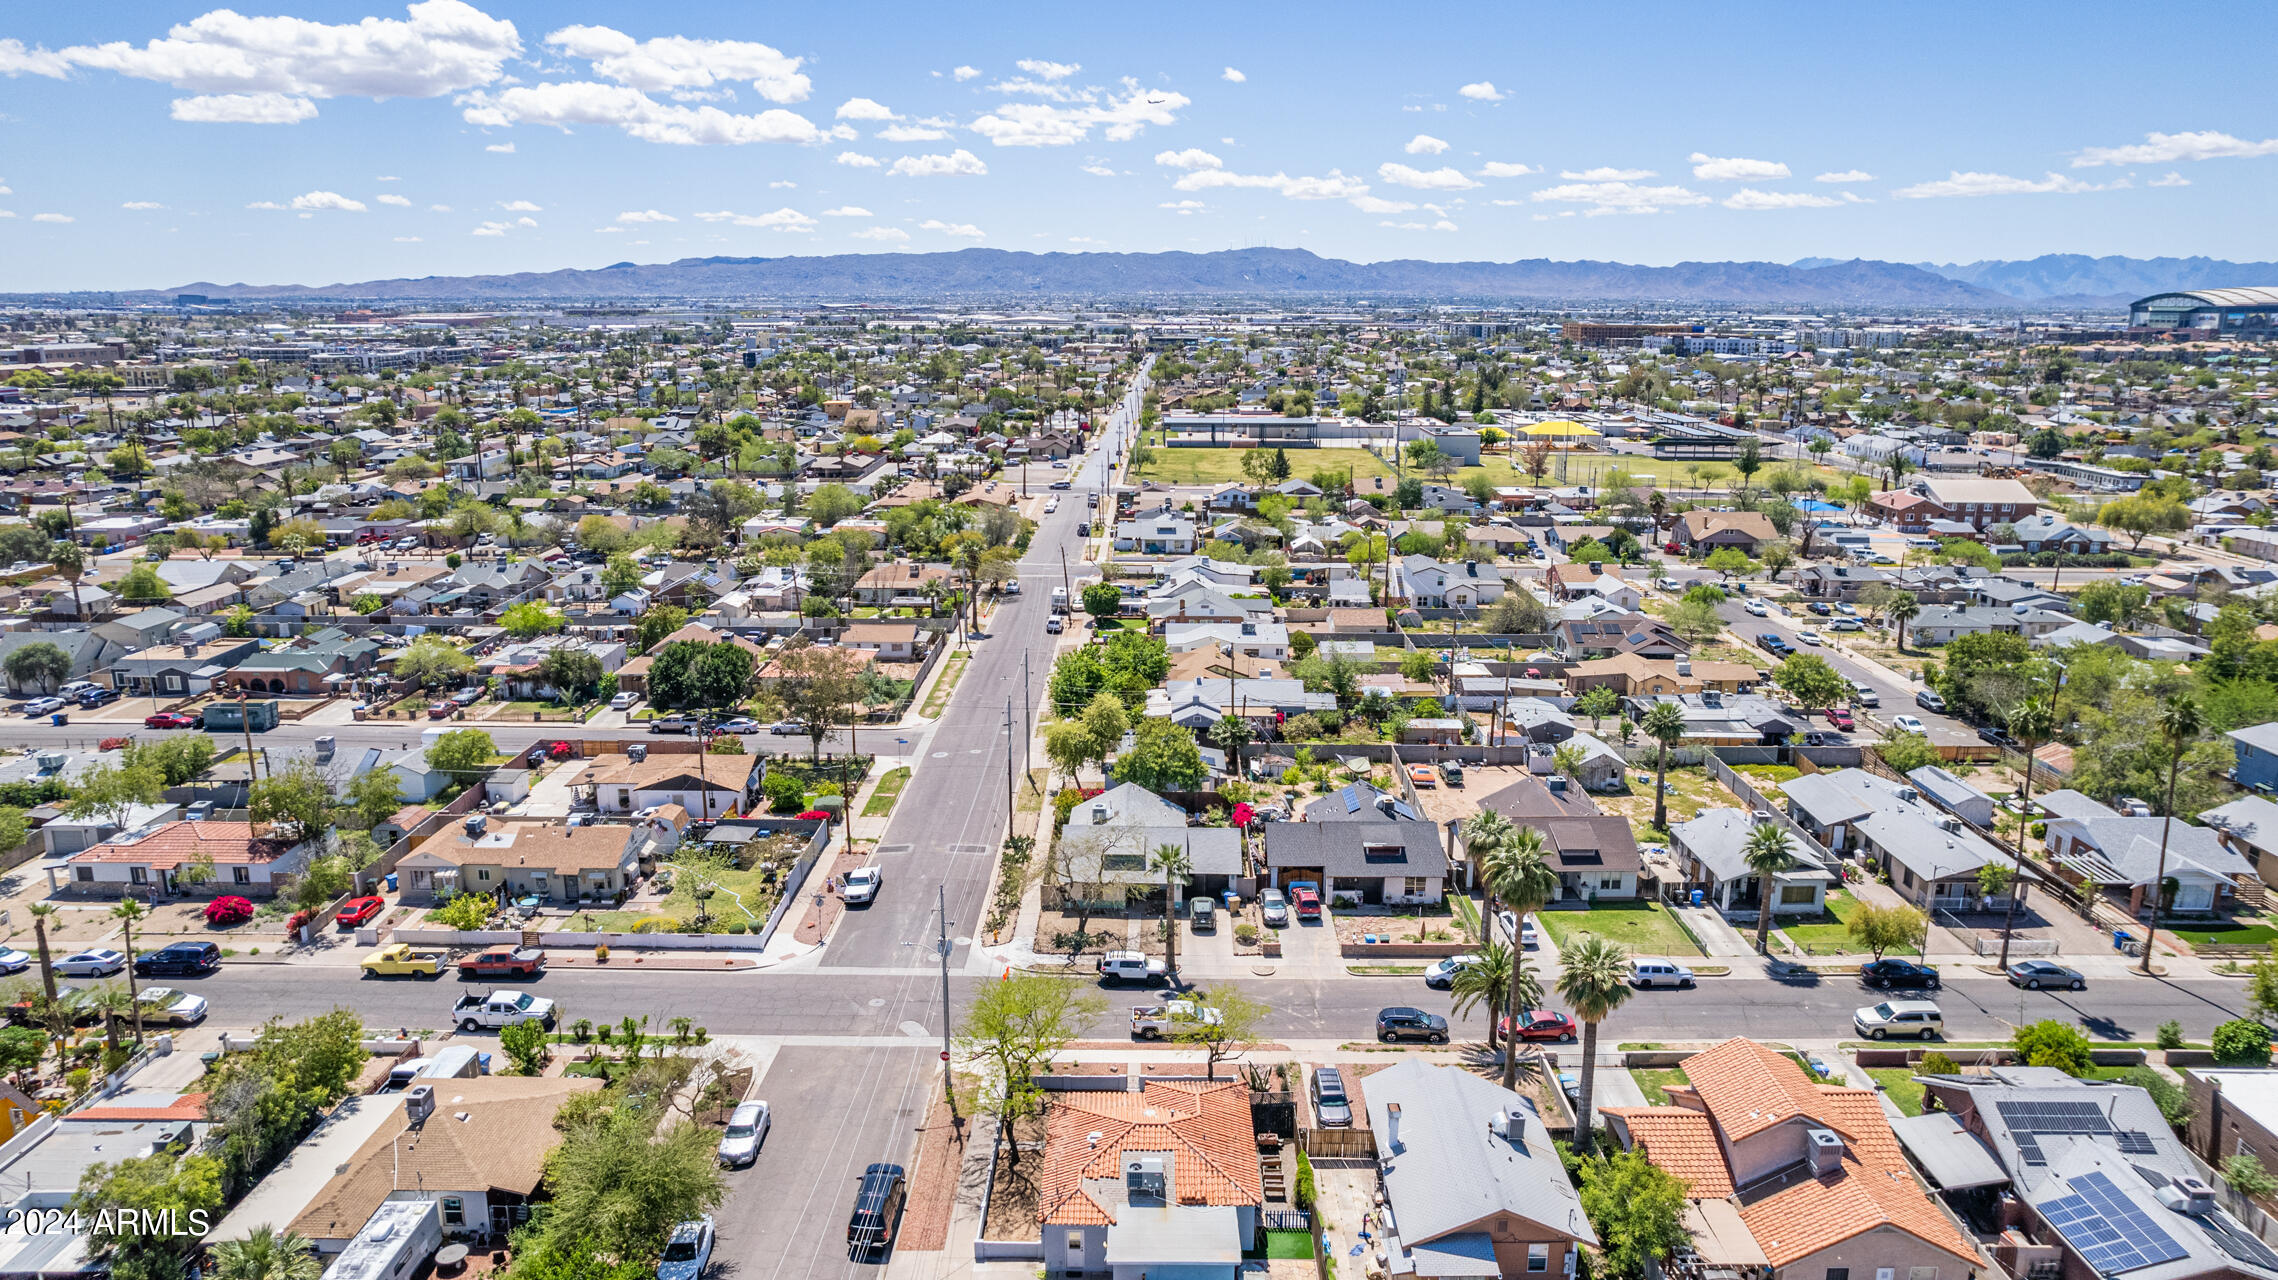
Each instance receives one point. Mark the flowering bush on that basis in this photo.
(815, 815)
(222, 913)
(114, 744)
(298, 919)
(1243, 815)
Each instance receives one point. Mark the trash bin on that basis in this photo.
(2121, 938)
(1696, 897)
(391, 882)
(59, 718)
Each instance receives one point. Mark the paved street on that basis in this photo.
(1896, 694)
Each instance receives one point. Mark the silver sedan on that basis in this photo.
(2036, 974)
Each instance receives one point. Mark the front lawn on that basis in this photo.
(1217, 466)
(2231, 933)
(1898, 1082)
(889, 790)
(1644, 927)
(1654, 1082)
(1828, 934)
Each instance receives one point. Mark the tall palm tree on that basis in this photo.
(1665, 724)
(1902, 609)
(1522, 877)
(267, 1254)
(128, 911)
(1487, 980)
(70, 562)
(112, 1003)
(2032, 722)
(40, 912)
(1767, 854)
(1483, 834)
(1594, 980)
(1171, 860)
(2179, 727)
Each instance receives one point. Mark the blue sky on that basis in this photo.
(148, 144)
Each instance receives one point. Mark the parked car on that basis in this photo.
(182, 959)
(1402, 1023)
(1917, 1018)
(13, 961)
(439, 710)
(877, 1207)
(1757, 609)
(1995, 736)
(1864, 694)
(1846, 624)
(1929, 700)
(623, 701)
(1202, 913)
(1133, 967)
(688, 1252)
(1332, 1106)
(357, 910)
(170, 720)
(786, 728)
(1440, 975)
(863, 884)
(1659, 973)
(1274, 908)
(1840, 717)
(1305, 899)
(101, 962)
(1523, 930)
(747, 1129)
(738, 725)
(1893, 974)
(1540, 1024)
(97, 697)
(673, 724)
(1809, 637)
(168, 1007)
(1423, 775)
(1055, 625)
(2036, 974)
(1907, 724)
(44, 706)
(503, 962)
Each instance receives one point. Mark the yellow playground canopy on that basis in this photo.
(1559, 428)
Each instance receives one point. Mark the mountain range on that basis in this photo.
(2063, 280)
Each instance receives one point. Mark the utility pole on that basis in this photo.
(1027, 722)
(1067, 584)
(1008, 770)
(252, 773)
(941, 948)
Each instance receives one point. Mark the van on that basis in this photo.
(877, 1206)
(1659, 973)
(1929, 700)
(1917, 1018)
(1059, 599)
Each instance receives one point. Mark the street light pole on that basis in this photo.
(941, 948)
(1027, 722)
(1008, 771)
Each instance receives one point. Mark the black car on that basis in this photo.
(97, 697)
(1996, 737)
(877, 1206)
(1899, 975)
(185, 959)
(1401, 1023)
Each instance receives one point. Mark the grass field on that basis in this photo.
(1289, 1244)
(1690, 791)
(889, 790)
(1217, 466)
(2248, 932)
(1829, 934)
(1899, 1083)
(1644, 927)
(1654, 1082)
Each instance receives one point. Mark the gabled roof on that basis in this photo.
(1447, 1168)
(1205, 1129)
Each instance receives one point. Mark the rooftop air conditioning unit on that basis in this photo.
(1909, 794)
(1825, 1151)
(476, 823)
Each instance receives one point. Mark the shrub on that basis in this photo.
(294, 922)
(465, 911)
(2242, 1042)
(2171, 1035)
(221, 913)
(2245, 1172)
(1935, 1063)
(1246, 934)
(737, 926)
(1304, 1181)
(2050, 1043)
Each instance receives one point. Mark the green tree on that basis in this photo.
(1163, 757)
(142, 585)
(1102, 600)
(1729, 560)
(1811, 681)
(1239, 1026)
(1665, 724)
(832, 503)
(1520, 876)
(38, 665)
(373, 797)
(1487, 979)
(176, 761)
(525, 1045)
(2242, 1042)
(462, 753)
(2050, 1043)
(1594, 980)
(112, 791)
(532, 618)
(296, 801)
(1012, 1029)
(620, 1180)
(1171, 860)
(572, 673)
(2141, 516)
(431, 661)
(1767, 853)
(1879, 928)
(1902, 608)
(2179, 728)
(1906, 751)
(1598, 703)
(129, 1204)
(1637, 1210)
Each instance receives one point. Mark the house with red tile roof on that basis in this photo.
(244, 860)
(1792, 1178)
(1160, 1182)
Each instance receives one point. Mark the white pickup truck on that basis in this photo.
(502, 1009)
(1170, 1018)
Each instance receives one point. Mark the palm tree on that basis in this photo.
(1593, 980)
(1902, 609)
(112, 1003)
(1767, 854)
(1483, 834)
(1665, 724)
(128, 911)
(2179, 727)
(1521, 876)
(70, 562)
(40, 912)
(1171, 860)
(2033, 721)
(1487, 980)
(267, 1254)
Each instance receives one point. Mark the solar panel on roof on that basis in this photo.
(2054, 1117)
(2136, 1142)
(2236, 1242)
(1352, 798)
(2030, 1149)
(1405, 812)
(2109, 1231)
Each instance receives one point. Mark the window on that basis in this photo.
(454, 1211)
(1922, 1273)
(1838, 1273)
(241, 875)
(1538, 1257)
(482, 873)
(86, 874)
(1609, 882)
(173, 683)
(1075, 1242)
(138, 875)
(1795, 893)
(1414, 887)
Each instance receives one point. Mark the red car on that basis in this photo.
(1840, 717)
(170, 720)
(520, 962)
(357, 910)
(438, 710)
(1307, 902)
(1542, 1024)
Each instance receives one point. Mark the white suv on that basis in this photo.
(1917, 1018)
(862, 884)
(1659, 973)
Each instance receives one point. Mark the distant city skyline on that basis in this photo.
(149, 144)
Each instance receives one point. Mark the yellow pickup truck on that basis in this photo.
(397, 958)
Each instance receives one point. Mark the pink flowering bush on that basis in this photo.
(221, 913)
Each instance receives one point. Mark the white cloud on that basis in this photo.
(1506, 169)
(407, 240)
(962, 74)
(1710, 168)
(1333, 186)
(500, 148)
(784, 219)
(1380, 205)
(608, 231)
(17, 60)
(911, 133)
(782, 184)
(387, 178)
(243, 108)
(848, 211)
(1751, 198)
(492, 229)
(1443, 225)
(957, 164)
(1424, 144)
(1191, 158)
(677, 62)
(1846, 175)
(521, 206)
(1483, 91)
(1958, 183)
(646, 215)
(399, 201)
(895, 234)
(53, 217)
(1096, 169)
(1618, 197)
(961, 230)
(2167, 148)
(631, 109)
(857, 160)
(1232, 76)
(525, 222)
(1043, 70)
(438, 208)
(1184, 206)
(7, 213)
(1401, 175)
(133, 204)
(1603, 174)
(865, 109)
(2172, 179)
(1040, 124)
(315, 202)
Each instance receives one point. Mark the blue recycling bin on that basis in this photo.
(391, 882)
(1696, 897)
(2121, 938)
